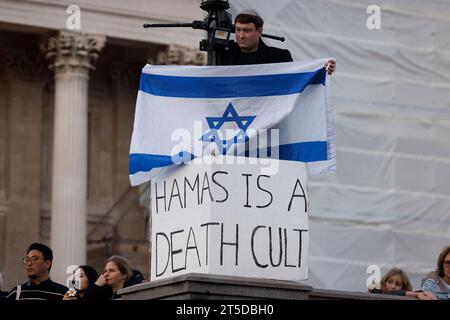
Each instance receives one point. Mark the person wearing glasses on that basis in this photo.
(438, 281)
(39, 286)
(249, 47)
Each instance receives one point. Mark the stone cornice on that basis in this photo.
(179, 55)
(121, 20)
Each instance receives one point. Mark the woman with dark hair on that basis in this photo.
(438, 281)
(83, 276)
(118, 274)
(396, 282)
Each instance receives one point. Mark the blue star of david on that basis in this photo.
(215, 123)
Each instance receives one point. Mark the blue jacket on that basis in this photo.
(436, 286)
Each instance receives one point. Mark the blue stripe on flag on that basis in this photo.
(302, 151)
(230, 87)
(140, 162)
(146, 162)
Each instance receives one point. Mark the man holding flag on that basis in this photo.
(250, 49)
(186, 112)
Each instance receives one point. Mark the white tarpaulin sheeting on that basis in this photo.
(389, 202)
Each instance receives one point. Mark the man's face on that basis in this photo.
(247, 36)
(36, 266)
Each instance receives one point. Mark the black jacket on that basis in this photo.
(3, 295)
(392, 293)
(46, 290)
(264, 54)
(94, 292)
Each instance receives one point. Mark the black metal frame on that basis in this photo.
(217, 19)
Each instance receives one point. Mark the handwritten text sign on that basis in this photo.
(230, 219)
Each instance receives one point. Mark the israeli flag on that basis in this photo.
(185, 112)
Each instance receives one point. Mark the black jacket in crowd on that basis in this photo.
(94, 292)
(46, 290)
(3, 295)
(264, 54)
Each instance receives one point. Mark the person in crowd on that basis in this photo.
(249, 47)
(136, 278)
(83, 276)
(3, 294)
(438, 281)
(396, 282)
(38, 262)
(118, 274)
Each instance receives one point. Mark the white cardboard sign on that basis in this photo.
(230, 219)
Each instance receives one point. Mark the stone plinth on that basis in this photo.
(196, 286)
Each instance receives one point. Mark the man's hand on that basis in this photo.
(330, 66)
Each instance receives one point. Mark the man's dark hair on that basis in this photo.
(46, 251)
(250, 18)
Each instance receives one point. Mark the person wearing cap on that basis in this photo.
(249, 47)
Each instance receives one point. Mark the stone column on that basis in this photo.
(72, 55)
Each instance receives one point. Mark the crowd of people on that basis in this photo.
(87, 284)
(435, 285)
(118, 273)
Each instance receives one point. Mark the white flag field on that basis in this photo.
(277, 111)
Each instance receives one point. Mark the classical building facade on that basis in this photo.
(67, 100)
